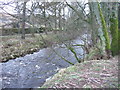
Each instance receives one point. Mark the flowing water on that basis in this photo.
(32, 70)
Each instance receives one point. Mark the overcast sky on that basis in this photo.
(10, 8)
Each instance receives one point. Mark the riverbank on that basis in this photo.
(13, 46)
(32, 70)
(89, 74)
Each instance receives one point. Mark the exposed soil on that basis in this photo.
(89, 74)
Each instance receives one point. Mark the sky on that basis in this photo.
(7, 7)
(10, 8)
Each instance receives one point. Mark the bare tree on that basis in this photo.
(23, 20)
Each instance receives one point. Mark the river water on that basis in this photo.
(32, 70)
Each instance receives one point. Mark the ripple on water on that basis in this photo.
(32, 70)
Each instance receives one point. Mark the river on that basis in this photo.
(32, 70)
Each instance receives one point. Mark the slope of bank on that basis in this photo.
(89, 74)
(13, 46)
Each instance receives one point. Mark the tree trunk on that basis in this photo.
(59, 19)
(114, 30)
(105, 32)
(23, 21)
(18, 23)
(64, 21)
(33, 26)
(100, 33)
(93, 24)
(55, 21)
(119, 15)
(45, 20)
(119, 27)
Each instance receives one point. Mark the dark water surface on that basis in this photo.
(32, 70)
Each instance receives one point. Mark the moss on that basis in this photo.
(114, 34)
(119, 40)
(72, 50)
(105, 32)
(72, 68)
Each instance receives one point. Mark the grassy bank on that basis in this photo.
(13, 46)
(89, 74)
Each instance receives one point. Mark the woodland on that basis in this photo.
(35, 25)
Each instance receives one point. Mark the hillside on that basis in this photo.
(89, 74)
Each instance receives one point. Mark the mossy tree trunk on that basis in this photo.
(113, 20)
(114, 30)
(105, 32)
(99, 28)
(119, 27)
(114, 34)
(118, 41)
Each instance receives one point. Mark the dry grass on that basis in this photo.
(14, 46)
(89, 74)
